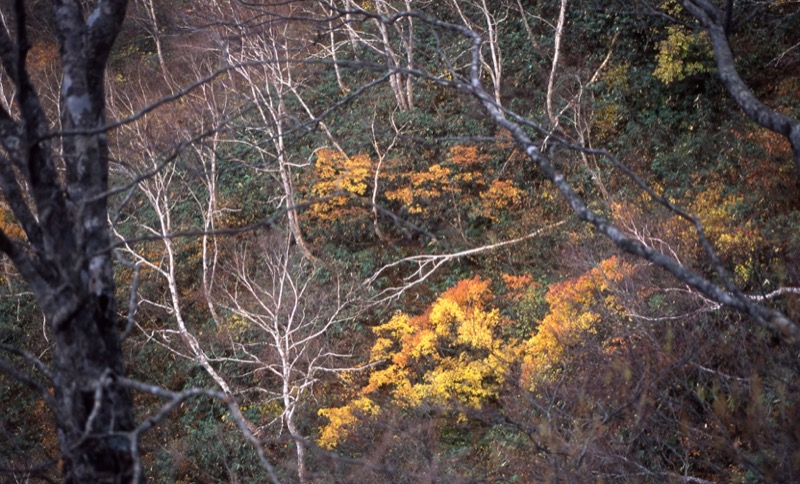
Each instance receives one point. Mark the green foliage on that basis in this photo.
(570, 363)
(682, 54)
(208, 448)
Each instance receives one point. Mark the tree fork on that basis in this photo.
(67, 266)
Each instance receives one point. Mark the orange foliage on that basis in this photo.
(9, 224)
(423, 188)
(463, 170)
(339, 175)
(451, 353)
(577, 308)
(466, 155)
(458, 353)
(42, 55)
(501, 195)
(516, 283)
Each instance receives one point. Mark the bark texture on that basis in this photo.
(54, 183)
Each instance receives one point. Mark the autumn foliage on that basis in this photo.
(577, 309)
(339, 176)
(488, 335)
(457, 355)
(451, 354)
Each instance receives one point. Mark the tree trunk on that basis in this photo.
(91, 406)
(57, 196)
(556, 53)
(302, 472)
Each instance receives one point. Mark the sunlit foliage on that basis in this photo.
(577, 309)
(338, 176)
(450, 354)
(682, 54)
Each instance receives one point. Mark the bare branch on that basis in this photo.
(22, 377)
(30, 358)
(769, 318)
(175, 399)
(429, 263)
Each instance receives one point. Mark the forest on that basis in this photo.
(399, 241)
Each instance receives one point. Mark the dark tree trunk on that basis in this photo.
(58, 197)
(93, 408)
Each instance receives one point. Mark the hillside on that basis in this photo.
(396, 241)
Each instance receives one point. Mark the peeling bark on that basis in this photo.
(69, 269)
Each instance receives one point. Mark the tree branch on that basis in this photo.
(714, 22)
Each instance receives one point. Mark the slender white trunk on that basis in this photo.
(210, 246)
(300, 447)
(495, 69)
(334, 56)
(160, 202)
(286, 181)
(396, 80)
(151, 11)
(528, 29)
(270, 103)
(410, 58)
(494, 50)
(556, 54)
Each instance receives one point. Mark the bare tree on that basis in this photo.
(56, 185)
(290, 315)
(383, 44)
(727, 294)
(559, 34)
(269, 84)
(157, 192)
(523, 130)
(489, 22)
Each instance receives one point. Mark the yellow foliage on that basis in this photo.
(444, 314)
(573, 316)
(237, 325)
(466, 155)
(341, 419)
(452, 353)
(606, 117)
(501, 195)
(338, 174)
(9, 224)
(420, 190)
(733, 238)
(683, 53)
(476, 330)
(462, 174)
(424, 188)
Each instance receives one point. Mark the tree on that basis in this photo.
(56, 185)
(717, 24)
(281, 318)
(270, 84)
(158, 192)
(453, 354)
(381, 44)
(573, 318)
(518, 126)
